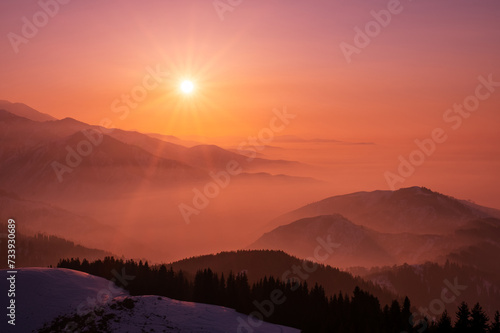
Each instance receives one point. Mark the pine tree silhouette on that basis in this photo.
(444, 323)
(462, 324)
(479, 322)
(495, 326)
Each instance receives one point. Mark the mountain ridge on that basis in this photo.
(414, 209)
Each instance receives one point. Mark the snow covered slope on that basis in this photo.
(160, 314)
(42, 294)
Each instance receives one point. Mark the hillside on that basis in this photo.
(25, 111)
(416, 209)
(42, 250)
(358, 245)
(258, 264)
(426, 282)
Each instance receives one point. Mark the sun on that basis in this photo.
(187, 87)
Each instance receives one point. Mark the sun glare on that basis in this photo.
(187, 87)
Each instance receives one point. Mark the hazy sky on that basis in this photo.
(259, 55)
(263, 54)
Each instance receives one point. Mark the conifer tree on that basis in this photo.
(495, 326)
(462, 324)
(479, 322)
(444, 323)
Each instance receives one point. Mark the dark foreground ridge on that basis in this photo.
(288, 303)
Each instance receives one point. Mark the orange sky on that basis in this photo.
(264, 54)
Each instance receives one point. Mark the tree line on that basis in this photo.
(40, 250)
(290, 303)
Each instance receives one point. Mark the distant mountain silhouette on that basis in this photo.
(123, 159)
(416, 209)
(355, 245)
(411, 225)
(484, 252)
(209, 157)
(31, 155)
(174, 139)
(25, 111)
(126, 177)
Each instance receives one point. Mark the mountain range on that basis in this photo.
(411, 225)
(86, 187)
(86, 174)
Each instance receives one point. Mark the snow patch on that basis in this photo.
(44, 293)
